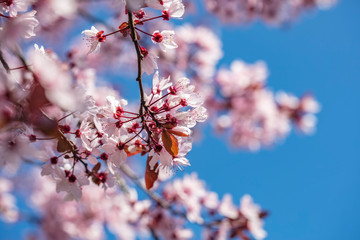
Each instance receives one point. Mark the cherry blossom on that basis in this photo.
(173, 9)
(94, 38)
(165, 39)
(272, 12)
(22, 26)
(8, 209)
(94, 146)
(252, 212)
(15, 6)
(149, 61)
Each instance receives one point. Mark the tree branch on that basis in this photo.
(4, 63)
(139, 59)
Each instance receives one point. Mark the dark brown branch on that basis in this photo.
(3, 62)
(139, 59)
(139, 74)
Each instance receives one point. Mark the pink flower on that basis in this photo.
(71, 183)
(272, 12)
(15, 6)
(173, 9)
(8, 210)
(111, 114)
(13, 149)
(160, 84)
(227, 207)
(165, 39)
(94, 38)
(252, 213)
(22, 26)
(56, 81)
(156, 4)
(148, 63)
(114, 152)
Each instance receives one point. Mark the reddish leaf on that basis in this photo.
(63, 145)
(177, 133)
(150, 175)
(123, 26)
(138, 150)
(129, 154)
(168, 125)
(96, 168)
(3, 123)
(170, 143)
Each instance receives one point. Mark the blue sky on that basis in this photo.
(310, 184)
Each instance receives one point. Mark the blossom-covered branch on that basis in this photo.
(81, 136)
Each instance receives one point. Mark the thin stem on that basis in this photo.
(65, 116)
(139, 59)
(130, 112)
(106, 35)
(145, 20)
(129, 117)
(2, 15)
(21, 57)
(152, 97)
(132, 119)
(49, 138)
(137, 134)
(144, 32)
(17, 68)
(159, 99)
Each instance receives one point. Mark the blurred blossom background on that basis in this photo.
(309, 184)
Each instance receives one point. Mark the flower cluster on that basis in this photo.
(57, 115)
(204, 207)
(128, 217)
(273, 12)
(78, 132)
(8, 210)
(255, 116)
(17, 26)
(165, 39)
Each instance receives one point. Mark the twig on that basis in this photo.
(4, 63)
(159, 200)
(139, 59)
(153, 195)
(154, 235)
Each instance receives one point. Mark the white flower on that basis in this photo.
(39, 49)
(94, 37)
(252, 212)
(176, 9)
(8, 210)
(55, 80)
(160, 84)
(156, 4)
(227, 208)
(114, 151)
(28, 23)
(165, 39)
(18, 27)
(15, 6)
(148, 63)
